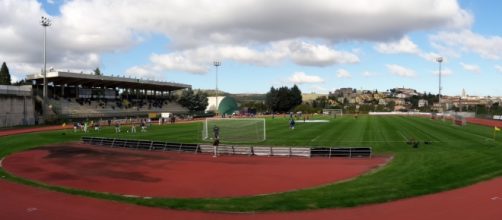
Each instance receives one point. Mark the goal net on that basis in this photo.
(332, 112)
(235, 130)
(459, 120)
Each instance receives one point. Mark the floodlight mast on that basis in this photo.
(45, 22)
(216, 65)
(440, 60)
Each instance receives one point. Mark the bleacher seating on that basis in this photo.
(118, 108)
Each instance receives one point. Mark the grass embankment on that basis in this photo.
(459, 156)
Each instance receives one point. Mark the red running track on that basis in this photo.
(31, 130)
(485, 122)
(482, 201)
(173, 174)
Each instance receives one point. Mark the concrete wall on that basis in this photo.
(16, 106)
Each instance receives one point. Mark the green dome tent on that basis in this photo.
(227, 106)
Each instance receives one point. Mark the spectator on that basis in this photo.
(117, 127)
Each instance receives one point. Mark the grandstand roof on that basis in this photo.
(59, 78)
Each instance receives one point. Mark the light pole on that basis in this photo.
(440, 60)
(45, 22)
(216, 65)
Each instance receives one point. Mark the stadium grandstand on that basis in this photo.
(76, 95)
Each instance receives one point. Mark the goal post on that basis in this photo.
(332, 112)
(235, 130)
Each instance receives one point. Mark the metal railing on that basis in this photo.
(232, 149)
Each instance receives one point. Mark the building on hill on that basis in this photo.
(16, 106)
(344, 92)
(406, 91)
(422, 103)
(73, 95)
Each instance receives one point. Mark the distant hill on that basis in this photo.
(239, 97)
(311, 96)
(249, 97)
(255, 97)
(212, 92)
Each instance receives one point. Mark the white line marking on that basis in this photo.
(496, 198)
(131, 196)
(406, 139)
(312, 140)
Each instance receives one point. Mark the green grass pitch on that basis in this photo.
(458, 156)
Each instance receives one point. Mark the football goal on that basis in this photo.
(332, 112)
(235, 130)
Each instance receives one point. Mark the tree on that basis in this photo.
(4, 75)
(97, 72)
(320, 102)
(201, 101)
(271, 99)
(195, 102)
(391, 105)
(22, 82)
(306, 109)
(296, 96)
(253, 107)
(283, 99)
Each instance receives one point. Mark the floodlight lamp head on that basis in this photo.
(439, 59)
(217, 63)
(45, 21)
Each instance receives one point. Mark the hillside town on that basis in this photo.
(406, 99)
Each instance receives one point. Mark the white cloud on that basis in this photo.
(405, 45)
(318, 55)
(488, 47)
(432, 57)
(400, 71)
(498, 68)
(341, 73)
(368, 74)
(22, 40)
(471, 68)
(77, 40)
(141, 72)
(301, 78)
(178, 63)
(236, 22)
(50, 2)
(300, 52)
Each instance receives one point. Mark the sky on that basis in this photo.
(319, 45)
